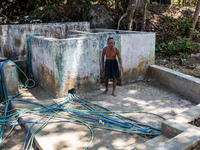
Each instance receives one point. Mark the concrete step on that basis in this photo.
(151, 144)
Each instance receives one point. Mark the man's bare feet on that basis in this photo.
(113, 94)
(105, 92)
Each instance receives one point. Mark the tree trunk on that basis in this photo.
(131, 12)
(195, 18)
(196, 15)
(140, 18)
(116, 4)
(144, 17)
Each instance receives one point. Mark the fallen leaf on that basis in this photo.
(172, 111)
(89, 139)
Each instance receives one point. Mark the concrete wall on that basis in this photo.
(137, 50)
(60, 65)
(184, 84)
(14, 36)
(1, 48)
(10, 77)
(103, 36)
(68, 55)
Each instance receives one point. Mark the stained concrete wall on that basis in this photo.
(137, 50)
(103, 36)
(184, 84)
(14, 36)
(10, 77)
(137, 53)
(60, 65)
(1, 48)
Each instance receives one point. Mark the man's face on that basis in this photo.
(111, 43)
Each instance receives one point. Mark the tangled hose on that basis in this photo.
(87, 115)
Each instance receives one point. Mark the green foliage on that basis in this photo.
(181, 45)
(181, 26)
(160, 47)
(185, 45)
(185, 3)
(170, 49)
(183, 60)
(37, 14)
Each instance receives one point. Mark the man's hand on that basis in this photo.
(122, 69)
(102, 69)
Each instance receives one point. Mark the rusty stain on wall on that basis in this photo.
(78, 83)
(83, 29)
(5, 51)
(48, 77)
(70, 83)
(133, 74)
(57, 35)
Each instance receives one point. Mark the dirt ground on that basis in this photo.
(141, 96)
(190, 64)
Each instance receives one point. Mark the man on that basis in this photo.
(111, 64)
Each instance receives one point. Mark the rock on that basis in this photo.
(100, 18)
(51, 15)
(191, 66)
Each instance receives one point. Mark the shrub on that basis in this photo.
(181, 45)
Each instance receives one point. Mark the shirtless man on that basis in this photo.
(111, 64)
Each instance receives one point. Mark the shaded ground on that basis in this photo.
(141, 96)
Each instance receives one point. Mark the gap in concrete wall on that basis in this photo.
(197, 147)
(195, 122)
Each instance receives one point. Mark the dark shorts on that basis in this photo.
(111, 69)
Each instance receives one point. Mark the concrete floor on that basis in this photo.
(141, 96)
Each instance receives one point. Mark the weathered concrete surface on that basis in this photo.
(180, 122)
(177, 133)
(1, 48)
(137, 51)
(14, 36)
(10, 77)
(181, 83)
(60, 65)
(141, 96)
(103, 36)
(150, 145)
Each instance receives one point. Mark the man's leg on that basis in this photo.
(114, 86)
(106, 85)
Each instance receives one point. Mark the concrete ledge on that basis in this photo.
(176, 133)
(10, 77)
(149, 145)
(180, 122)
(184, 84)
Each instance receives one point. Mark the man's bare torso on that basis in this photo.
(110, 53)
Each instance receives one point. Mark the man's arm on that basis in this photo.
(120, 60)
(102, 60)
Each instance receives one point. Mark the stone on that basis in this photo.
(99, 17)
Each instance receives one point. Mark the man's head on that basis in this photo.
(111, 42)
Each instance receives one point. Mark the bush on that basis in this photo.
(181, 45)
(182, 26)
